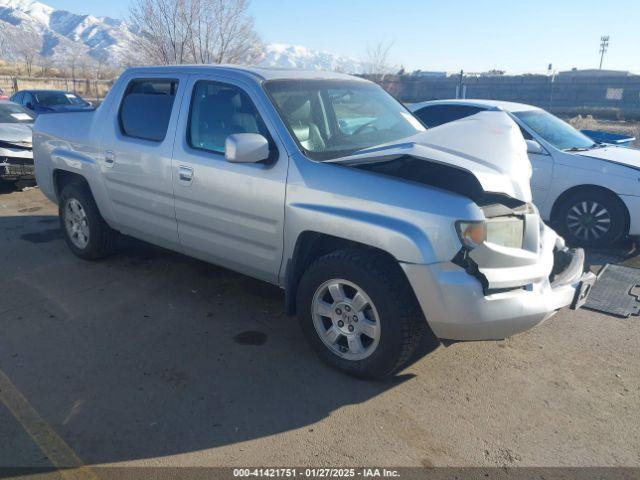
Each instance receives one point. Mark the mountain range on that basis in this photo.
(57, 34)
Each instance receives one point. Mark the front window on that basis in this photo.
(54, 99)
(12, 113)
(219, 110)
(335, 118)
(555, 131)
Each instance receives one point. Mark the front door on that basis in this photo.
(542, 165)
(136, 161)
(228, 214)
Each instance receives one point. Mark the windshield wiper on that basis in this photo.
(576, 149)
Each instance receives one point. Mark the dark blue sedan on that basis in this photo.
(48, 101)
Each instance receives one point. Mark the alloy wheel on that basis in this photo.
(76, 223)
(346, 319)
(588, 220)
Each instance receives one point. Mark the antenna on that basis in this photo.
(604, 46)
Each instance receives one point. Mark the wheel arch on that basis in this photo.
(311, 245)
(555, 209)
(62, 178)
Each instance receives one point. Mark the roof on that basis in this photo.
(593, 72)
(255, 73)
(42, 90)
(502, 105)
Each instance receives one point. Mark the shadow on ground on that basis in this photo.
(150, 353)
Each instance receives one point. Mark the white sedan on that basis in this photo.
(589, 191)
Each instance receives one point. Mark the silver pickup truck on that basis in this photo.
(378, 230)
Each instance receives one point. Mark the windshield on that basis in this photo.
(13, 113)
(555, 131)
(52, 99)
(334, 118)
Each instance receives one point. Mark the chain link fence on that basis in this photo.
(90, 89)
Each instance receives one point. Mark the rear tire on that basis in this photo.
(592, 218)
(85, 231)
(374, 326)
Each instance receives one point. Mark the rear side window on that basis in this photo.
(219, 110)
(146, 108)
(440, 114)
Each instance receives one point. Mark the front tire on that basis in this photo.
(592, 218)
(357, 311)
(85, 231)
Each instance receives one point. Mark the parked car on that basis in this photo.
(589, 190)
(16, 154)
(603, 137)
(369, 230)
(49, 101)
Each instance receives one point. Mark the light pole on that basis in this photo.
(604, 45)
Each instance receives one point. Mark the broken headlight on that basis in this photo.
(471, 234)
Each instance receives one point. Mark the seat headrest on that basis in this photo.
(230, 97)
(297, 108)
(218, 106)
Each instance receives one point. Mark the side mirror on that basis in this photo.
(246, 148)
(535, 148)
(29, 105)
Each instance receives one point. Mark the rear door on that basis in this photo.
(229, 214)
(136, 157)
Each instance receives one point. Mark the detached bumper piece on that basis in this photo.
(12, 169)
(614, 292)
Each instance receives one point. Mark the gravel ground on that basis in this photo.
(153, 359)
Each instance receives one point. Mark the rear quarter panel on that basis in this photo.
(71, 141)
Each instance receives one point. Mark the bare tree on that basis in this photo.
(194, 31)
(73, 60)
(377, 62)
(28, 46)
(46, 64)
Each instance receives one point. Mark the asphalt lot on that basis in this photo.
(151, 358)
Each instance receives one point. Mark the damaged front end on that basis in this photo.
(514, 249)
(16, 161)
(493, 290)
(511, 271)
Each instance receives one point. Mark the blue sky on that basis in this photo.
(514, 35)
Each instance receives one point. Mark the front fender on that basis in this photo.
(412, 222)
(401, 239)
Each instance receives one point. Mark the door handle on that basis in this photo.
(109, 158)
(185, 174)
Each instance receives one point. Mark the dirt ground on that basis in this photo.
(150, 358)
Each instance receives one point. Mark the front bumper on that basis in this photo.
(457, 307)
(17, 168)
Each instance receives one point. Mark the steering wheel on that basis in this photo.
(361, 128)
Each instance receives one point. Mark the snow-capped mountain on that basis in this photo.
(57, 34)
(294, 56)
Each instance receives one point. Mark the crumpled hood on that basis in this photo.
(623, 156)
(488, 145)
(16, 132)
